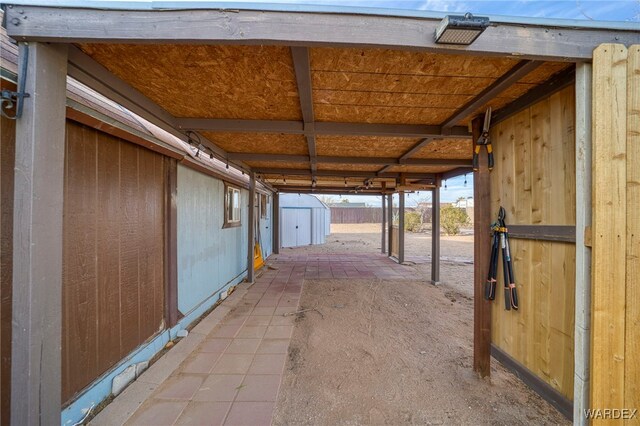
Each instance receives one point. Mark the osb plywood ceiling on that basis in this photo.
(259, 143)
(348, 85)
(242, 82)
(363, 146)
(457, 149)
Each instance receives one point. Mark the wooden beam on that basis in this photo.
(319, 128)
(401, 227)
(417, 147)
(482, 221)
(251, 228)
(391, 130)
(455, 173)
(500, 85)
(350, 160)
(276, 223)
(560, 233)
(582, 328)
(390, 226)
(326, 190)
(37, 239)
(557, 82)
(563, 404)
(384, 225)
(435, 235)
(259, 27)
(302, 67)
(340, 173)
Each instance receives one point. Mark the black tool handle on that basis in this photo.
(490, 290)
(475, 162)
(514, 296)
(490, 160)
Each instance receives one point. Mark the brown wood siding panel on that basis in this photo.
(108, 241)
(113, 288)
(129, 243)
(7, 161)
(79, 253)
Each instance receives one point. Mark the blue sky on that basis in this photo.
(628, 10)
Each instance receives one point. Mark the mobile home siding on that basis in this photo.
(209, 256)
(113, 262)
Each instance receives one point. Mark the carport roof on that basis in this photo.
(331, 97)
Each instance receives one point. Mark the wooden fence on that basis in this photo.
(368, 214)
(615, 285)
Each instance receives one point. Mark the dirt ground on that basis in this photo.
(396, 352)
(456, 252)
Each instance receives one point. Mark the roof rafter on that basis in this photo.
(302, 67)
(500, 85)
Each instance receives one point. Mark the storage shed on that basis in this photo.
(304, 220)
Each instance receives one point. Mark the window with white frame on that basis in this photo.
(232, 209)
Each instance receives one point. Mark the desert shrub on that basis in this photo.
(452, 218)
(412, 221)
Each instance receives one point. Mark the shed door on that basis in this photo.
(303, 236)
(289, 221)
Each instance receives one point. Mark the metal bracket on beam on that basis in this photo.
(10, 99)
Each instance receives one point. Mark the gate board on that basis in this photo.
(113, 276)
(7, 159)
(534, 180)
(615, 282)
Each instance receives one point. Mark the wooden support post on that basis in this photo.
(390, 225)
(383, 243)
(171, 243)
(37, 239)
(276, 223)
(435, 234)
(251, 227)
(401, 227)
(481, 252)
(583, 253)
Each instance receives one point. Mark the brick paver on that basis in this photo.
(236, 356)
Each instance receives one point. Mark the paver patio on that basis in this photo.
(229, 368)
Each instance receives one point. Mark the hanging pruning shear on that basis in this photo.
(484, 140)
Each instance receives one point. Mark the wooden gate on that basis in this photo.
(615, 280)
